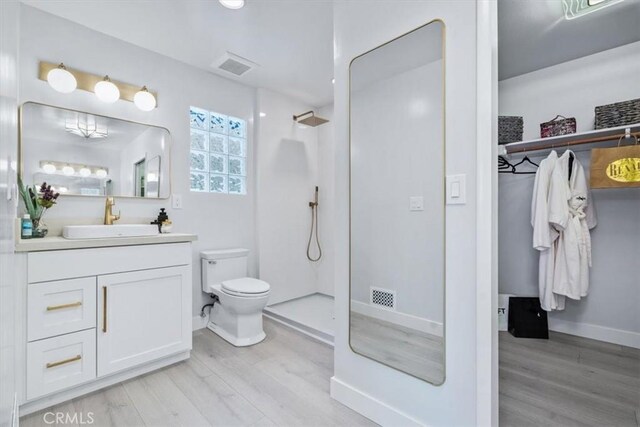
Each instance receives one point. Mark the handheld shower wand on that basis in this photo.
(314, 226)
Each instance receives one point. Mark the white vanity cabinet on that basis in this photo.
(100, 315)
(141, 316)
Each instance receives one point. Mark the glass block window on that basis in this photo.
(218, 157)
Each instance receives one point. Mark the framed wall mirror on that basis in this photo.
(397, 206)
(84, 154)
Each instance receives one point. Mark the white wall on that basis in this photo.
(9, 286)
(397, 153)
(219, 220)
(388, 396)
(574, 88)
(287, 170)
(326, 209)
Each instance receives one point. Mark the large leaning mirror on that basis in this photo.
(85, 154)
(397, 232)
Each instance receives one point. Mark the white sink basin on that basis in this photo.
(108, 231)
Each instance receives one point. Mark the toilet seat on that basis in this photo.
(245, 287)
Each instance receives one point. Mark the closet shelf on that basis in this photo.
(589, 137)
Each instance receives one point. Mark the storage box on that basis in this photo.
(618, 114)
(560, 125)
(509, 129)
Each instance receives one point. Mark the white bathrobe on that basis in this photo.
(544, 235)
(572, 214)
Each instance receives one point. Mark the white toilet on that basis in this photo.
(237, 316)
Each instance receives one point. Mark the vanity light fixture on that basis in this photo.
(61, 79)
(232, 4)
(106, 91)
(49, 168)
(68, 170)
(84, 171)
(144, 99)
(577, 8)
(263, 114)
(101, 173)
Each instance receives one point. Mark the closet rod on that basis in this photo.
(589, 137)
(513, 150)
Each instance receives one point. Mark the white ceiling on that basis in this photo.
(291, 40)
(533, 34)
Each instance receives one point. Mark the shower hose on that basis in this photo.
(314, 227)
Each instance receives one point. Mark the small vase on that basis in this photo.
(40, 229)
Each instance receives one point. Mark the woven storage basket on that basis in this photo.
(509, 129)
(618, 114)
(560, 125)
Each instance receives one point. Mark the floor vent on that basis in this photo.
(383, 297)
(234, 64)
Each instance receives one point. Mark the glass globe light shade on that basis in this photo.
(49, 168)
(62, 80)
(68, 170)
(85, 171)
(144, 99)
(232, 4)
(106, 91)
(101, 173)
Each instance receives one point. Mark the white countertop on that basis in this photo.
(55, 243)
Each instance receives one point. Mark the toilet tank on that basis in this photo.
(223, 264)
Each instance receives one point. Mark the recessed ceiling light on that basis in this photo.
(232, 4)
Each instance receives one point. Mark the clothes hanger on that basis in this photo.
(524, 160)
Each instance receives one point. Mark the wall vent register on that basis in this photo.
(383, 297)
(218, 157)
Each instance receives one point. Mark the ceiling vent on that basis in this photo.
(234, 64)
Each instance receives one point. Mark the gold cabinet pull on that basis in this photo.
(62, 306)
(63, 362)
(104, 309)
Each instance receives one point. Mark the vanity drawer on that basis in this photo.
(60, 307)
(60, 362)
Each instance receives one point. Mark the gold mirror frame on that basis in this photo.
(444, 240)
(20, 146)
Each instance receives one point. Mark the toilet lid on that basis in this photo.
(246, 285)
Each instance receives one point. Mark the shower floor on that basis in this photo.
(311, 314)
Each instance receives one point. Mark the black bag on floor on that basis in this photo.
(527, 319)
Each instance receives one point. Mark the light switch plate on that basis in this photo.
(457, 189)
(176, 201)
(416, 203)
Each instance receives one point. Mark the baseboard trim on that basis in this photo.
(199, 322)
(368, 406)
(62, 396)
(596, 332)
(402, 319)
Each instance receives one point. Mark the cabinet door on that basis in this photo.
(142, 316)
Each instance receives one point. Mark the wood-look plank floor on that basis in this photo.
(417, 353)
(283, 381)
(568, 381)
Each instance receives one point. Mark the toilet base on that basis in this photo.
(238, 342)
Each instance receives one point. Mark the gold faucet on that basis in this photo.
(109, 217)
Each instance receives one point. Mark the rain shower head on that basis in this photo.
(310, 119)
